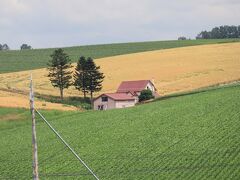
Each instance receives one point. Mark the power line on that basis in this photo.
(66, 144)
(34, 140)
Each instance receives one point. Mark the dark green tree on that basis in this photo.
(145, 94)
(60, 73)
(80, 76)
(221, 32)
(25, 46)
(0, 47)
(94, 77)
(5, 47)
(233, 32)
(215, 33)
(238, 29)
(182, 38)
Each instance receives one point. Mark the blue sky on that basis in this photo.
(59, 23)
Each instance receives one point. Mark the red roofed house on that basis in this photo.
(126, 95)
(135, 87)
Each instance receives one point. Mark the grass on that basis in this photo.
(199, 90)
(194, 136)
(12, 61)
(78, 102)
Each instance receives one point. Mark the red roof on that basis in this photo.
(133, 86)
(118, 96)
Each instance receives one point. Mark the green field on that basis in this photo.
(11, 61)
(194, 136)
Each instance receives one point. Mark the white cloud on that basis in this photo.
(45, 23)
(12, 8)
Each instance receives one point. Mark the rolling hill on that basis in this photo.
(173, 70)
(190, 137)
(12, 61)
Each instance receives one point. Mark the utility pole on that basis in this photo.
(34, 135)
(67, 145)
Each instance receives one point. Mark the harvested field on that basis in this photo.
(15, 100)
(176, 70)
(173, 70)
(15, 61)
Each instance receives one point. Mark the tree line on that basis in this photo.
(222, 32)
(4, 47)
(25, 46)
(86, 78)
(22, 47)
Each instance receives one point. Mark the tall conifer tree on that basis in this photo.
(80, 76)
(60, 73)
(94, 77)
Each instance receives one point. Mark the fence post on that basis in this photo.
(34, 135)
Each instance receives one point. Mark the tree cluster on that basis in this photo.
(25, 46)
(222, 32)
(87, 77)
(145, 94)
(4, 47)
(182, 38)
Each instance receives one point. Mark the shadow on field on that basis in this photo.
(79, 102)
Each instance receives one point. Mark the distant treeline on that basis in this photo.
(4, 47)
(22, 47)
(222, 32)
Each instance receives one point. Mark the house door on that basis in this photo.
(100, 107)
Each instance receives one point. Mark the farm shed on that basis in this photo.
(113, 100)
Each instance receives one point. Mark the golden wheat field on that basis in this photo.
(9, 99)
(173, 70)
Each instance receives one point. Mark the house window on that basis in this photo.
(105, 99)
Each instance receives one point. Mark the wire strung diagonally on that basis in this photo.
(66, 144)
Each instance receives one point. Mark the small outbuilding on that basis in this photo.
(113, 100)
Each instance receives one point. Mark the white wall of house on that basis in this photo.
(136, 98)
(110, 104)
(123, 104)
(150, 86)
